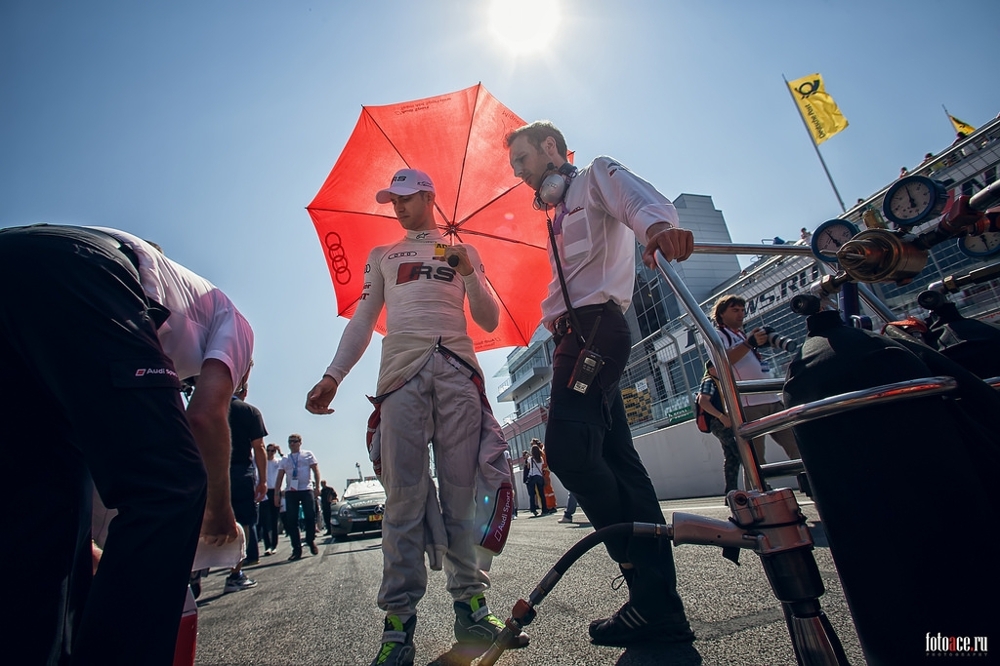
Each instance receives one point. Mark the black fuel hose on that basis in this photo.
(524, 612)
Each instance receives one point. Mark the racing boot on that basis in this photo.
(397, 642)
(476, 627)
(642, 619)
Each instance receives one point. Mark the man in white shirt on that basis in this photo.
(302, 472)
(745, 359)
(97, 330)
(596, 213)
(429, 390)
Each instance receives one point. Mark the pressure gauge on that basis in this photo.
(913, 199)
(828, 238)
(980, 245)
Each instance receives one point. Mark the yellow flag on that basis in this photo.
(818, 109)
(964, 128)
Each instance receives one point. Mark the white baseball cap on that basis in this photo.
(405, 183)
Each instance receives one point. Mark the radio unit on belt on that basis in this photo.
(588, 364)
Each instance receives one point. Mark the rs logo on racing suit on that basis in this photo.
(410, 271)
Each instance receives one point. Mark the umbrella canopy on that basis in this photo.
(458, 139)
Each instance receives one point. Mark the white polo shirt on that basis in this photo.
(203, 322)
(296, 466)
(606, 208)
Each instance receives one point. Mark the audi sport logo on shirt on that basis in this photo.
(401, 254)
(142, 372)
(414, 270)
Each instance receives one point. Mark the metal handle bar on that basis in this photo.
(782, 468)
(733, 248)
(953, 283)
(836, 404)
(985, 198)
(747, 386)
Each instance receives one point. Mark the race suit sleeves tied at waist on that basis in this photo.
(403, 354)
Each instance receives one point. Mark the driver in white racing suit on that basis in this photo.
(428, 391)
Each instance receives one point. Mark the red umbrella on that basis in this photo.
(458, 139)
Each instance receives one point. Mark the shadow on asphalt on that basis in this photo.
(676, 655)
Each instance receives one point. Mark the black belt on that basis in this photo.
(157, 313)
(587, 310)
(563, 324)
(119, 245)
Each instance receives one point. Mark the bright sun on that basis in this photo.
(523, 26)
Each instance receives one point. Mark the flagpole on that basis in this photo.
(948, 116)
(815, 145)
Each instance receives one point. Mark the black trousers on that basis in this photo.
(294, 499)
(269, 521)
(327, 515)
(241, 488)
(589, 447)
(74, 330)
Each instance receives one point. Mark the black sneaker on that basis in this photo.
(476, 626)
(397, 643)
(629, 627)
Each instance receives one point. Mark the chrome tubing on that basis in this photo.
(836, 404)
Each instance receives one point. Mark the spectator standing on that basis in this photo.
(300, 469)
(97, 328)
(525, 470)
(710, 402)
(567, 516)
(595, 215)
(327, 496)
(269, 512)
(536, 481)
(747, 363)
(247, 478)
(549, 494)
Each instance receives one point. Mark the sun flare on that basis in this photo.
(524, 26)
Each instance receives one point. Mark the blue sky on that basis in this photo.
(209, 126)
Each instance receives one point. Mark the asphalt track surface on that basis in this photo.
(321, 609)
